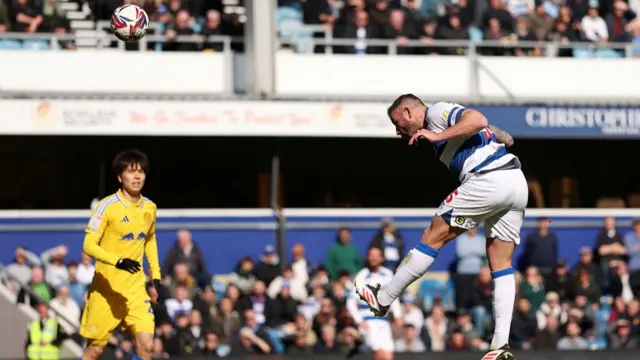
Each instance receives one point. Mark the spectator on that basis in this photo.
(313, 304)
(379, 16)
(585, 286)
(547, 337)
(252, 337)
(471, 253)
(573, 340)
(398, 29)
(181, 278)
(343, 255)
(532, 287)
(326, 316)
(206, 303)
(55, 270)
(257, 302)
(582, 313)
(437, 325)
(632, 248)
(320, 278)
(282, 309)
(20, 268)
(497, 11)
(213, 27)
(618, 311)
(300, 265)
(618, 21)
(540, 21)
(413, 16)
(269, 266)
(65, 306)
(482, 301)
(327, 342)
(465, 325)
(541, 248)
(453, 31)
(294, 286)
(49, 333)
(234, 295)
(243, 277)
(622, 337)
(212, 346)
(410, 341)
(227, 323)
(358, 29)
(389, 240)
(585, 262)
(411, 314)
(633, 316)
(559, 281)
(166, 334)
(191, 339)
(302, 339)
(620, 284)
(457, 341)
(28, 17)
(185, 251)
(181, 304)
(39, 287)
(551, 307)
(86, 269)
(77, 290)
(158, 350)
(593, 26)
(523, 33)
(180, 27)
(523, 326)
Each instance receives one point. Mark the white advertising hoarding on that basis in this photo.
(192, 118)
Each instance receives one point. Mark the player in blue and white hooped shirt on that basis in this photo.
(376, 329)
(493, 191)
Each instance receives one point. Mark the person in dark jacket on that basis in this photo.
(244, 277)
(191, 339)
(186, 251)
(390, 242)
(548, 337)
(281, 310)
(541, 248)
(269, 266)
(523, 326)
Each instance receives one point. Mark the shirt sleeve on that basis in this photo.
(443, 115)
(93, 234)
(151, 251)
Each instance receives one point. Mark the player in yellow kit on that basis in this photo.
(120, 232)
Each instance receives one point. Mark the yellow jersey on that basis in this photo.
(120, 229)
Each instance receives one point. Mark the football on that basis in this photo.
(129, 23)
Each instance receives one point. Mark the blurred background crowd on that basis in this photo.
(504, 21)
(266, 306)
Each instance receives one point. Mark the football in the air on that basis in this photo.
(129, 23)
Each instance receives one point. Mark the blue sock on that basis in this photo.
(136, 357)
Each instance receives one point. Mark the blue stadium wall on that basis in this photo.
(225, 238)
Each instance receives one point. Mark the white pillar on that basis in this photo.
(260, 43)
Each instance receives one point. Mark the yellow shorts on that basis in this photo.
(103, 313)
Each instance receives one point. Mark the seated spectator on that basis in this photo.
(533, 288)
(551, 307)
(465, 325)
(180, 27)
(67, 308)
(54, 267)
(206, 302)
(243, 277)
(410, 341)
(523, 33)
(37, 284)
(633, 316)
(619, 282)
(252, 337)
(632, 249)
(180, 304)
(227, 323)
(301, 339)
(213, 27)
(20, 268)
(269, 266)
(313, 304)
(498, 11)
(86, 269)
(166, 333)
(28, 17)
(184, 250)
(256, 301)
(411, 313)
(398, 29)
(77, 290)
(618, 310)
(296, 288)
(191, 339)
(548, 336)
(326, 316)
(559, 281)
(437, 325)
(540, 21)
(457, 342)
(281, 310)
(300, 265)
(320, 278)
(482, 301)
(586, 262)
(233, 294)
(523, 326)
(212, 346)
(182, 278)
(618, 20)
(573, 340)
(584, 285)
(158, 351)
(582, 313)
(622, 337)
(453, 30)
(327, 342)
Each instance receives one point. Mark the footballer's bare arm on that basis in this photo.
(502, 136)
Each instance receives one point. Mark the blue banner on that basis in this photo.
(589, 122)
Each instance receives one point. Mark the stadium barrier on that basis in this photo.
(227, 235)
(288, 118)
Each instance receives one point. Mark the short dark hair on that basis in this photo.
(401, 99)
(130, 157)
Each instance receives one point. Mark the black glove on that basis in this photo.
(160, 290)
(129, 265)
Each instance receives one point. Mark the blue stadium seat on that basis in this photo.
(430, 289)
(10, 45)
(288, 13)
(475, 34)
(36, 45)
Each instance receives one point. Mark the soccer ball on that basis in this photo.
(129, 23)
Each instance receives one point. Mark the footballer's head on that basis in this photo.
(407, 114)
(131, 167)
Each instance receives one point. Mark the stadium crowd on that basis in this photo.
(507, 21)
(260, 309)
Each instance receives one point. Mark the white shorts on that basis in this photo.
(497, 198)
(378, 335)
